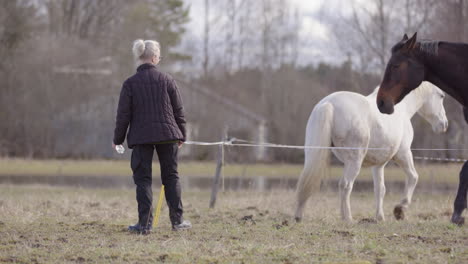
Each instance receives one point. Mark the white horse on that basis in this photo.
(351, 120)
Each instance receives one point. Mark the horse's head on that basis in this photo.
(433, 110)
(402, 75)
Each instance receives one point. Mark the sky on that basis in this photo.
(315, 38)
(311, 24)
(309, 8)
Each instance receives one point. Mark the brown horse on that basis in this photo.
(445, 65)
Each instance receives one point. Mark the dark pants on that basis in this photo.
(141, 163)
(460, 203)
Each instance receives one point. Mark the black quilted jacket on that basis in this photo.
(150, 103)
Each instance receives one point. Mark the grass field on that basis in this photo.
(41, 224)
(447, 173)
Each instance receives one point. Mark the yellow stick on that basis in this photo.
(158, 207)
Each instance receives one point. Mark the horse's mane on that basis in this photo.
(430, 47)
(397, 46)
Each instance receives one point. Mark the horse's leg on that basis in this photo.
(379, 190)
(460, 201)
(407, 164)
(351, 171)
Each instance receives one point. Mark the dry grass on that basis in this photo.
(63, 225)
(446, 173)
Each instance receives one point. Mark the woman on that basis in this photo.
(150, 104)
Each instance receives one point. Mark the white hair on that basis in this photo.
(146, 49)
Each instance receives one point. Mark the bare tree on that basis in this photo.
(206, 38)
(372, 28)
(82, 18)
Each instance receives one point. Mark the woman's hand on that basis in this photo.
(113, 145)
(180, 143)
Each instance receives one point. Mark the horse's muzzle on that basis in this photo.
(385, 106)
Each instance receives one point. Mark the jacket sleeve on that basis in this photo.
(177, 107)
(124, 114)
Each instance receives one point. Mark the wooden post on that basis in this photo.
(260, 153)
(219, 171)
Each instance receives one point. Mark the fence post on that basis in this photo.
(219, 170)
(260, 153)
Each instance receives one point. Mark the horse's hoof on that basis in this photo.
(399, 212)
(298, 219)
(458, 220)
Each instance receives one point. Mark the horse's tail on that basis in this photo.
(318, 134)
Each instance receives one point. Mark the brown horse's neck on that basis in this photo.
(448, 69)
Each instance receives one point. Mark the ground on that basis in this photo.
(433, 173)
(40, 224)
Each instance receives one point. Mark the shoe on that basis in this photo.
(182, 226)
(137, 228)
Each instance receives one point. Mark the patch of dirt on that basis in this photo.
(264, 213)
(9, 260)
(62, 239)
(10, 242)
(446, 250)
(163, 257)
(427, 240)
(76, 259)
(399, 212)
(343, 233)
(379, 261)
(96, 204)
(283, 224)
(248, 219)
(367, 221)
(446, 213)
(93, 224)
(426, 216)
(252, 208)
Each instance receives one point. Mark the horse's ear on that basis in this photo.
(411, 43)
(405, 37)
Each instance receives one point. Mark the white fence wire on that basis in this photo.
(234, 142)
